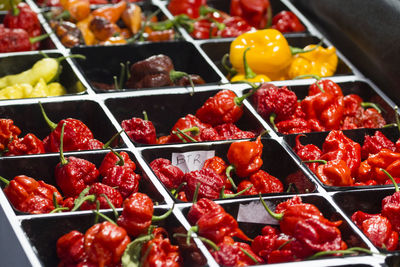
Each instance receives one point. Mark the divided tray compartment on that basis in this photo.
(29, 119)
(276, 161)
(43, 168)
(103, 62)
(357, 135)
(252, 229)
(216, 49)
(166, 107)
(361, 88)
(19, 62)
(43, 232)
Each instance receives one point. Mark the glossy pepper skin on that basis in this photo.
(28, 195)
(263, 183)
(221, 108)
(105, 243)
(123, 178)
(218, 165)
(136, 214)
(255, 12)
(140, 131)
(99, 189)
(170, 175)
(188, 7)
(245, 156)
(110, 160)
(307, 152)
(210, 182)
(8, 132)
(271, 99)
(26, 19)
(328, 86)
(14, 40)
(75, 176)
(391, 210)
(228, 131)
(270, 53)
(27, 145)
(160, 251)
(335, 173)
(70, 248)
(375, 143)
(189, 121)
(286, 21)
(76, 136)
(201, 207)
(377, 228)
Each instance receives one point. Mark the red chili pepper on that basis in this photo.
(223, 107)
(188, 7)
(229, 131)
(374, 144)
(328, 86)
(201, 207)
(339, 146)
(372, 119)
(209, 184)
(105, 243)
(27, 145)
(263, 183)
(99, 191)
(170, 175)
(160, 252)
(140, 130)
(287, 21)
(352, 105)
(245, 156)
(8, 132)
(218, 165)
(70, 248)
(23, 17)
(391, 210)
(204, 29)
(307, 152)
(28, 195)
(14, 40)
(292, 126)
(111, 160)
(191, 125)
(233, 253)
(233, 27)
(274, 103)
(255, 12)
(282, 207)
(335, 173)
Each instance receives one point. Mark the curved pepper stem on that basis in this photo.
(4, 180)
(396, 113)
(224, 62)
(205, 240)
(272, 118)
(106, 145)
(111, 205)
(239, 99)
(179, 131)
(396, 187)
(121, 161)
(276, 216)
(316, 161)
(176, 75)
(234, 195)
(249, 255)
(59, 59)
(352, 250)
(248, 72)
(196, 193)
(39, 38)
(297, 50)
(371, 105)
(51, 124)
(175, 191)
(104, 217)
(63, 161)
(307, 76)
(228, 175)
(193, 229)
(145, 117)
(78, 204)
(164, 216)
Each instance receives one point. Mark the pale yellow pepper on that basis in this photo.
(321, 62)
(25, 90)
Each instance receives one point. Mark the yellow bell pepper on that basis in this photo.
(321, 62)
(249, 74)
(270, 53)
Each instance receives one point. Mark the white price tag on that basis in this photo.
(191, 161)
(254, 212)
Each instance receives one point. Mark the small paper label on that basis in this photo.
(254, 212)
(191, 161)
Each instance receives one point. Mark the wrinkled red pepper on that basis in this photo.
(27, 145)
(111, 159)
(98, 190)
(335, 173)
(188, 7)
(307, 152)
(201, 207)
(375, 143)
(209, 184)
(228, 131)
(191, 125)
(219, 166)
(286, 21)
(263, 183)
(255, 12)
(8, 132)
(140, 130)
(170, 175)
(70, 248)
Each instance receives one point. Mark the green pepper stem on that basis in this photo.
(249, 255)
(390, 125)
(111, 205)
(184, 134)
(396, 187)
(193, 229)
(59, 59)
(196, 193)
(63, 161)
(146, 118)
(96, 217)
(347, 251)
(15, 10)
(307, 76)
(121, 161)
(297, 50)
(276, 216)
(178, 189)
(248, 72)
(224, 62)
(55, 203)
(239, 100)
(194, 129)
(236, 194)
(59, 209)
(272, 118)
(292, 185)
(164, 216)
(371, 105)
(121, 75)
(177, 75)
(51, 124)
(316, 161)
(179, 136)
(39, 38)
(203, 239)
(63, 15)
(104, 217)
(116, 85)
(228, 175)
(4, 180)
(106, 145)
(79, 203)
